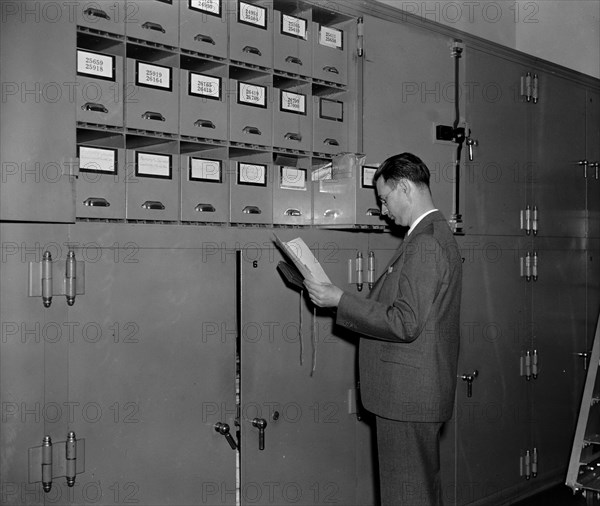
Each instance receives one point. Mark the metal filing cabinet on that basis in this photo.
(102, 15)
(203, 27)
(330, 124)
(251, 33)
(330, 51)
(292, 194)
(251, 194)
(152, 183)
(292, 44)
(155, 21)
(152, 101)
(204, 101)
(99, 88)
(204, 188)
(250, 110)
(100, 187)
(292, 116)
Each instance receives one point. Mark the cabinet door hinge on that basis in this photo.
(360, 29)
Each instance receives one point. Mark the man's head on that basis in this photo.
(402, 183)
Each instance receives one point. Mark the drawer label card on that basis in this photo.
(101, 160)
(100, 66)
(293, 26)
(252, 94)
(368, 172)
(293, 102)
(331, 109)
(292, 178)
(202, 85)
(206, 170)
(331, 37)
(153, 76)
(209, 6)
(252, 174)
(152, 165)
(254, 15)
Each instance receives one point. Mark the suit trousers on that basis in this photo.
(409, 463)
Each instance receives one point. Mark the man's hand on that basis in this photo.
(323, 295)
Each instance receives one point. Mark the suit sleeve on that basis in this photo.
(422, 275)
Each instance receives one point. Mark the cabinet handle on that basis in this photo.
(294, 59)
(291, 136)
(223, 429)
(261, 425)
(96, 202)
(90, 106)
(205, 208)
(332, 213)
(204, 38)
(153, 204)
(331, 69)
(373, 211)
(252, 50)
(98, 13)
(251, 210)
(251, 130)
(149, 25)
(204, 123)
(155, 116)
(292, 212)
(331, 142)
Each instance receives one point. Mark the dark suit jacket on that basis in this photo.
(409, 326)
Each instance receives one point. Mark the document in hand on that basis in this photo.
(302, 257)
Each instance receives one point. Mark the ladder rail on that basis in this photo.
(575, 461)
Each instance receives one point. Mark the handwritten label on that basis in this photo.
(331, 37)
(96, 64)
(293, 26)
(367, 176)
(209, 6)
(153, 165)
(292, 178)
(252, 174)
(154, 76)
(252, 14)
(97, 160)
(205, 170)
(293, 102)
(205, 86)
(252, 94)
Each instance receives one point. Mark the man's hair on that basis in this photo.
(404, 166)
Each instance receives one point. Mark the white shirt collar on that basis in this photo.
(418, 220)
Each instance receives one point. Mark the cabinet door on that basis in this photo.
(558, 325)
(33, 378)
(494, 336)
(495, 180)
(152, 367)
(558, 182)
(403, 100)
(296, 378)
(37, 131)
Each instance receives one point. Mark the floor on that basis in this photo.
(560, 495)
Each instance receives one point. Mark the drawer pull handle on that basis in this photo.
(329, 68)
(204, 123)
(90, 106)
(205, 208)
(331, 142)
(252, 50)
(96, 202)
(293, 137)
(149, 25)
(251, 130)
(153, 204)
(204, 38)
(251, 210)
(332, 213)
(294, 59)
(99, 13)
(156, 116)
(292, 212)
(373, 212)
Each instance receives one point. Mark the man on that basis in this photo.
(409, 327)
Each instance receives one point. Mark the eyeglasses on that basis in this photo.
(383, 198)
